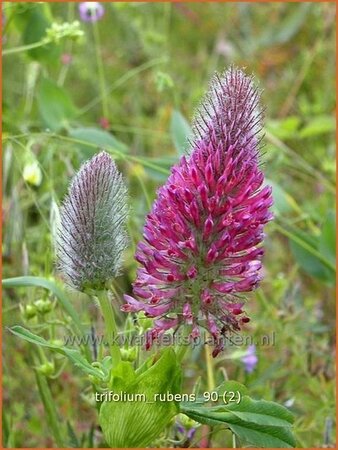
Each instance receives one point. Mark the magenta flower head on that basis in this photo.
(202, 240)
(91, 11)
(92, 236)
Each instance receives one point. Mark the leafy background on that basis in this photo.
(156, 63)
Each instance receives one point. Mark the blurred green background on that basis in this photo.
(130, 84)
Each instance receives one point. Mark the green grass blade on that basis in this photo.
(301, 242)
(49, 406)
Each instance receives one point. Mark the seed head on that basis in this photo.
(92, 235)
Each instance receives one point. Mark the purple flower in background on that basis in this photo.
(92, 236)
(202, 238)
(91, 11)
(189, 433)
(250, 360)
(186, 426)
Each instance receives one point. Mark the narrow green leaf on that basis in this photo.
(72, 438)
(264, 436)
(287, 28)
(73, 355)
(283, 201)
(180, 132)
(258, 422)
(50, 410)
(8, 434)
(284, 129)
(100, 138)
(261, 412)
(317, 126)
(327, 240)
(309, 263)
(305, 249)
(91, 437)
(160, 167)
(232, 386)
(55, 105)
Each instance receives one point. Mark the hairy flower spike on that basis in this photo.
(92, 234)
(202, 238)
(231, 112)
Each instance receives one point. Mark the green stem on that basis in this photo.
(24, 48)
(116, 84)
(182, 349)
(50, 409)
(144, 189)
(234, 444)
(263, 300)
(117, 153)
(210, 369)
(211, 380)
(100, 69)
(111, 328)
(68, 47)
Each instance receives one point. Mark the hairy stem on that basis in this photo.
(210, 369)
(110, 324)
(211, 380)
(182, 349)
